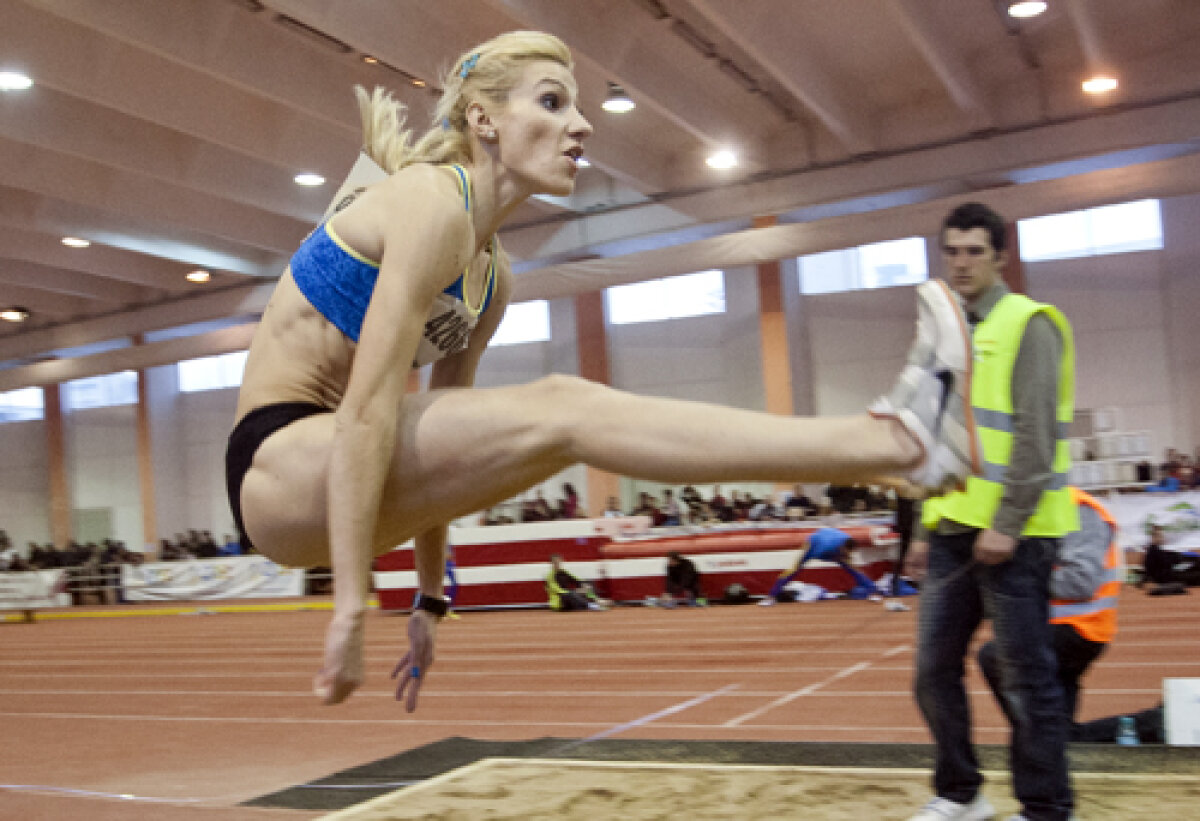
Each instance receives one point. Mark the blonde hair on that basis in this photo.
(488, 72)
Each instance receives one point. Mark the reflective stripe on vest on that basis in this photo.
(1096, 618)
(997, 342)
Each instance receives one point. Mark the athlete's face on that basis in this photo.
(972, 264)
(541, 131)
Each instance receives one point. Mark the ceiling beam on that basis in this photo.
(936, 45)
(132, 358)
(240, 301)
(780, 50)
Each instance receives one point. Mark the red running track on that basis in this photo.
(193, 714)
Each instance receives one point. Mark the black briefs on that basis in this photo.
(245, 439)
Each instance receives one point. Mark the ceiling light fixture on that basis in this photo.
(199, 275)
(76, 242)
(419, 83)
(1099, 84)
(309, 180)
(14, 314)
(14, 81)
(369, 60)
(1026, 8)
(722, 159)
(618, 101)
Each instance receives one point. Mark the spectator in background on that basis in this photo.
(683, 582)
(612, 508)
(798, 505)
(1162, 565)
(565, 592)
(646, 507)
(696, 509)
(568, 506)
(672, 511)
(720, 506)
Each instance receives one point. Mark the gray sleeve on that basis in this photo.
(1080, 568)
(1035, 424)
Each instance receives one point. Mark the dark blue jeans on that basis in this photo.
(956, 596)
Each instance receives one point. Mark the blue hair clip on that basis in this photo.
(468, 65)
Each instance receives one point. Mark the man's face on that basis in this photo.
(972, 264)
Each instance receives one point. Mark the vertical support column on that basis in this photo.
(1014, 269)
(145, 448)
(772, 321)
(592, 343)
(56, 458)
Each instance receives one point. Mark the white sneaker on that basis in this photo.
(931, 397)
(943, 809)
(895, 606)
(766, 602)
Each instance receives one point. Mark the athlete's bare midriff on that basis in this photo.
(297, 355)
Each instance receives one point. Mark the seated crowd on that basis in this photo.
(689, 507)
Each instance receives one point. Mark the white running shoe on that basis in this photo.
(931, 398)
(895, 606)
(943, 809)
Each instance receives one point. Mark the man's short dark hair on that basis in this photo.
(977, 215)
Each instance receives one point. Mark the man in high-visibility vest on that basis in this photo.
(1086, 584)
(990, 546)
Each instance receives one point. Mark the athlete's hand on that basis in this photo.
(916, 563)
(412, 668)
(994, 548)
(342, 671)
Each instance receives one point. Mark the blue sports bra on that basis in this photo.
(339, 281)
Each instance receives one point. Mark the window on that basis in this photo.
(209, 373)
(524, 322)
(101, 391)
(1110, 229)
(21, 405)
(698, 294)
(879, 265)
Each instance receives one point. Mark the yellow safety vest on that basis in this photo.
(997, 341)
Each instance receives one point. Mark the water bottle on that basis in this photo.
(1127, 734)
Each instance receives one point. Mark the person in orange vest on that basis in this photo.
(1085, 586)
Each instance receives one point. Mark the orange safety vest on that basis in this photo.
(1096, 618)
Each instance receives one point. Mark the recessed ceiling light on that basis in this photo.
(369, 60)
(1099, 84)
(14, 81)
(76, 242)
(618, 102)
(310, 180)
(14, 314)
(1026, 8)
(722, 159)
(419, 83)
(199, 276)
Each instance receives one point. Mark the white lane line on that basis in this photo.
(652, 717)
(804, 691)
(812, 688)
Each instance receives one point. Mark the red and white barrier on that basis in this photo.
(506, 565)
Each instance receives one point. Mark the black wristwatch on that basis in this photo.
(432, 604)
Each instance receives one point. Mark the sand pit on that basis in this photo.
(498, 789)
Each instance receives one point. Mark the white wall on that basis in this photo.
(102, 466)
(24, 483)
